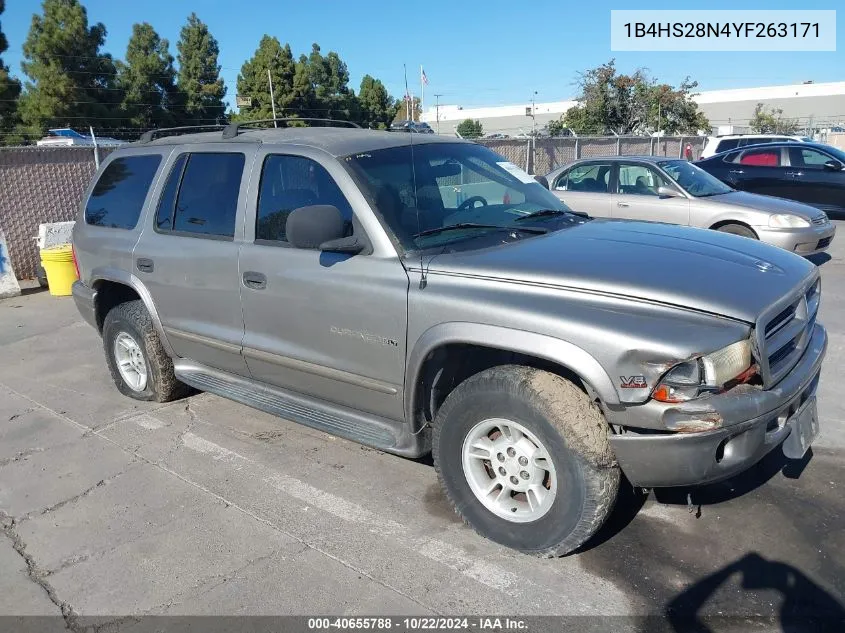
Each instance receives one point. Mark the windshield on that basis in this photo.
(694, 180)
(450, 184)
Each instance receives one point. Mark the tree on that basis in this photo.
(470, 129)
(199, 74)
(771, 121)
(147, 81)
(329, 78)
(633, 104)
(377, 107)
(558, 128)
(71, 80)
(10, 90)
(402, 113)
(253, 82)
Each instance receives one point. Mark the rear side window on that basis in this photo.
(118, 196)
(724, 146)
(205, 187)
(593, 178)
(288, 183)
(761, 157)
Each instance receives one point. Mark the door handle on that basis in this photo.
(622, 204)
(144, 264)
(254, 280)
(795, 174)
(737, 171)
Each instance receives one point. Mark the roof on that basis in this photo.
(337, 141)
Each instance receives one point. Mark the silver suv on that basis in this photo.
(421, 293)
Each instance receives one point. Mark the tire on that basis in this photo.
(131, 323)
(738, 229)
(567, 426)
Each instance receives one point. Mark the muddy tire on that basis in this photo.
(738, 229)
(540, 447)
(139, 366)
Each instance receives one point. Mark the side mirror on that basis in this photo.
(312, 226)
(350, 245)
(669, 192)
(542, 180)
(833, 165)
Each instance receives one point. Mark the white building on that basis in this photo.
(814, 105)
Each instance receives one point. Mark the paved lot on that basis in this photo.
(112, 507)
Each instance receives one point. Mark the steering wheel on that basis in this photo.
(469, 203)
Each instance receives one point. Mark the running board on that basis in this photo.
(324, 416)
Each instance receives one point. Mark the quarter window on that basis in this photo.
(118, 196)
(288, 183)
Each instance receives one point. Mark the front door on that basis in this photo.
(636, 196)
(187, 255)
(586, 187)
(324, 324)
(761, 170)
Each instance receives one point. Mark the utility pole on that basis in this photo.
(437, 110)
(272, 98)
(533, 116)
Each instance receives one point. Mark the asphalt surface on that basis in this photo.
(112, 507)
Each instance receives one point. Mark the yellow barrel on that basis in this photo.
(60, 269)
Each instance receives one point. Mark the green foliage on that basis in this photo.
(377, 107)
(10, 90)
(253, 81)
(70, 77)
(147, 81)
(470, 129)
(633, 104)
(402, 110)
(199, 74)
(771, 121)
(558, 128)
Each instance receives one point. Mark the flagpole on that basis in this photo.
(422, 92)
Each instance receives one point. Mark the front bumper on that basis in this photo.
(85, 299)
(751, 423)
(805, 241)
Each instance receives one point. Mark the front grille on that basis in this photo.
(783, 332)
(822, 219)
(824, 243)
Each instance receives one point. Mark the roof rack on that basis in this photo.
(232, 130)
(151, 135)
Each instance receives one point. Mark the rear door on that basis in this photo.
(814, 183)
(586, 187)
(187, 255)
(636, 196)
(761, 170)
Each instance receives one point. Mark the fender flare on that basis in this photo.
(128, 279)
(549, 348)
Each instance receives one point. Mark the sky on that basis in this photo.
(475, 52)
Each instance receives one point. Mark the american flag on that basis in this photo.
(423, 76)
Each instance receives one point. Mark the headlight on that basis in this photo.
(705, 374)
(787, 221)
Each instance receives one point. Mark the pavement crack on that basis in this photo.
(36, 574)
(77, 496)
(20, 456)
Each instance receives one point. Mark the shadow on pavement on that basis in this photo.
(804, 605)
(819, 258)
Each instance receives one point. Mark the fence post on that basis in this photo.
(681, 148)
(651, 146)
(577, 148)
(618, 145)
(529, 156)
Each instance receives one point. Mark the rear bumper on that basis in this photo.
(806, 241)
(85, 299)
(746, 435)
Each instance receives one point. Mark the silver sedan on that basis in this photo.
(659, 189)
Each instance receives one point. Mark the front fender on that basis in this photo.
(539, 345)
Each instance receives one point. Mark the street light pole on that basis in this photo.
(437, 111)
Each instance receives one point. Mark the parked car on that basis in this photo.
(812, 173)
(718, 144)
(346, 279)
(417, 127)
(659, 189)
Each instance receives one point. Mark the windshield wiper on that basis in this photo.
(475, 225)
(542, 213)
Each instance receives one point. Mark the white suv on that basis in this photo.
(717, 144)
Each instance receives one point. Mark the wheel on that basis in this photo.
(524, 458)
(139, 366)
(738, 229)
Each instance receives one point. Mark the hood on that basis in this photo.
(767, 204)
(693, 268)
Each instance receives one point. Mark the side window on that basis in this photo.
(724, 146)
(118, 196)
(167, 202)
(639, 180)
(288, 183)
(208, 195)
(807, 157)
(763, 157)
(592, 178)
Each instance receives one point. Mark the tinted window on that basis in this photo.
(639, 180)
(761, 157)
(167, 203)
(119, 194)
(593, 177)
(288, 183)
(208, 197)
(807, 157)
(727, 144)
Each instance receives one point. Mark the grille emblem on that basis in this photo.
(762, 266)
